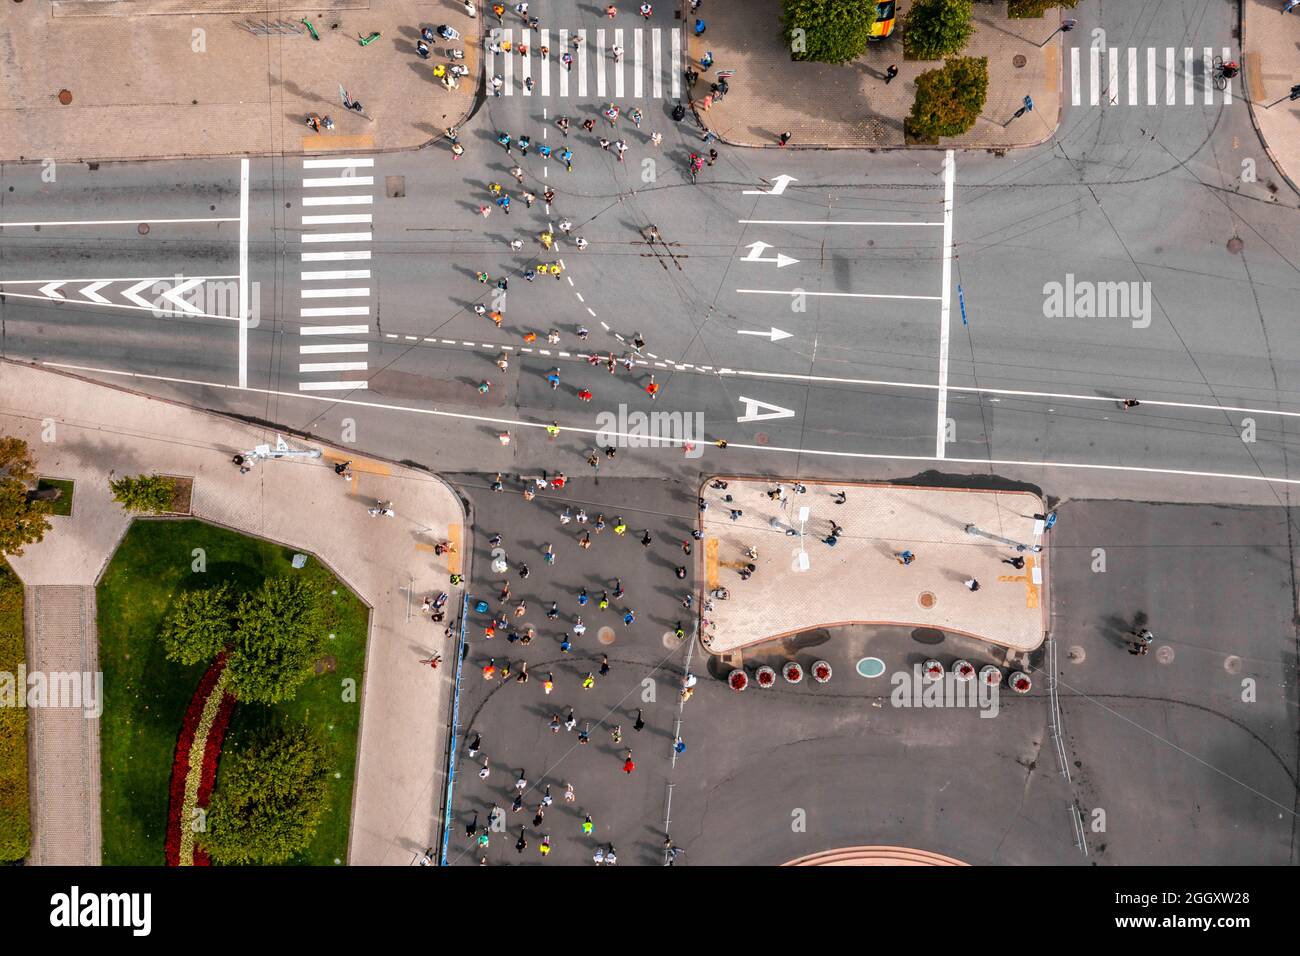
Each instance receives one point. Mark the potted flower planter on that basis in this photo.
(1020, 682)
(792, 672)
(963, 670)
(738, 680)
(821, 672)
(932, 671)
(766, 677)
(990, 676)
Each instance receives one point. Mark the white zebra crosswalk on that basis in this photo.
(1132, 76)
(593, 65)
(323, 283)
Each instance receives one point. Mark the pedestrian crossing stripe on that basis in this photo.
(1131, 77)
(642, 57)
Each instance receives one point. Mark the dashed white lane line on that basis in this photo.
(518, 423)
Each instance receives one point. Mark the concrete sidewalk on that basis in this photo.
(859, 579)
(1270, 66)
(98, 431)
(851, 105)
(157, 79)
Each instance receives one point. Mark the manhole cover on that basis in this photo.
(1018, 60)
(396, 186)
(65, 97)
(1235, 244)
(870, 667)
(143, 229)
(671, 642)
(605, 635)
(1076, 654)
(1165, 655)
(926, 599)
(1232, 664)
(761, 438)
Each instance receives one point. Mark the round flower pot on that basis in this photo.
(821, 672)
(738, 680)
(990, 676)
(765, 676)
(1020, 682)
(792, 672)
(963, 670)
(932, 670)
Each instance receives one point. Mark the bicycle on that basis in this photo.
(1223, 72)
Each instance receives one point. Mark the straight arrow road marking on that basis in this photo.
(773, 334)
(752, 413)
(756, 250)
(778, 187)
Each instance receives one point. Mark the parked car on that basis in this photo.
(883, 28)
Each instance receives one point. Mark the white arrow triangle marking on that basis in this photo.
(752, 413)
(52, 290)
(133, 293)
(778, 187)
(174, 296)
(774, 334)
(783, 260)
(91, 291)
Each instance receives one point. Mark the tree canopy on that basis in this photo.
(22, 521)
(200, 625)
(948, 100)
(278, 638)
(147, 494)
(827, 31)
(936, 28)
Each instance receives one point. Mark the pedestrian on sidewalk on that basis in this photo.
(628, 764)
(1017, 562)
(1290, 5)
(679, 747)
(699, 27)
(890, 73)
(616, 52)
(604, 665)
(646, 10)
(640, 721)
(522, 843)
(611, 11)
(656, 138)
(422, 48)
(905, 557)
(841, 497)
(784, 138)
(584, 735)
(972, 584)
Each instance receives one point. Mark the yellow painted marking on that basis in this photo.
(711, 562)
(1031, 589)
(453, 559)
(1052, 67)
(421, 546)
(328, 142)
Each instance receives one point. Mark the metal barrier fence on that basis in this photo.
(454, 731)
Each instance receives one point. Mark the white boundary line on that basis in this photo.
(868, 456)
(822, 222)
(171, 278)
(111, 222)
(840, 295)
(945, 309)
(163, 313)
(243, 272)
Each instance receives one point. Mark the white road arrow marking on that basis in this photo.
(778, 187)
(755, 255)
(91, 292)
(774, 334)
(133, 293)
(52, 290)
(174, 296)
(752, 413)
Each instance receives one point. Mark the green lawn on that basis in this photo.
(64, 505)
(15, 833)
(146, 695)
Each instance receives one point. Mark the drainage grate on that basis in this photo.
(396, 186)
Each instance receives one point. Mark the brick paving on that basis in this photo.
(101, 431)
(859, 580)
(850, 105)
(1268, 62)
(145, 82)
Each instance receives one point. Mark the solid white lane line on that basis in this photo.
(843, 295)
(822, 222)
(332, 274)
(363, 254)
(341, 348)
(330, 181)
(339, 162)
(338, 200)
(337, 219)
(111, 222)
(243, 271)
(337, 237)
(517, 423)
(335, 310)
(945, 309)
(332, 366)
(332, 386)
(334, 330)
(335, 293)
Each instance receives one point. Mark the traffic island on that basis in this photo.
(887, 555)
(825, 105)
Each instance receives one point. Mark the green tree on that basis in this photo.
(827, 31)
(948, 100)
(144, 493)
(935, 28)
(200, 625)
(278, 637)
(1029, 9)
(22, 521)
(269, 798)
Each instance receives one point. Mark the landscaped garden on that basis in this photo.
(193, 617)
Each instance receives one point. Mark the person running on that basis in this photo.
(656, 138)
(587, 825)
(640, 721)
(628, 764)
(563, 124)
(652, 389)
(620, 148)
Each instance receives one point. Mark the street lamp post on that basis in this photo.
(803, 564)
(281, 450)
(972, 529)
(1065, 27)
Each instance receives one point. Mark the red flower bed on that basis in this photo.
(181, 760)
